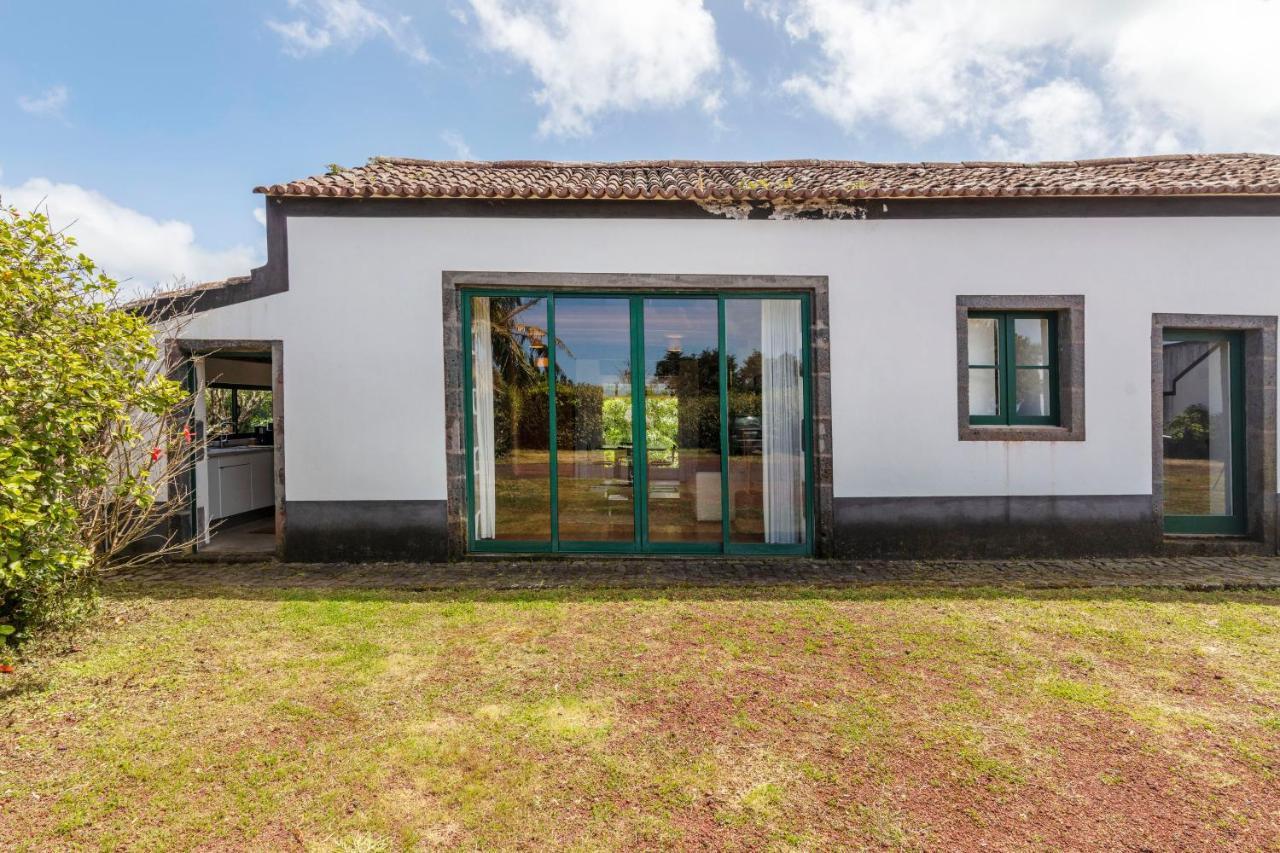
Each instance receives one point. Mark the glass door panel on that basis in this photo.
(594, 474)
(682, 420)
(637, 422)
(1202, 434)
(764, 356)
(510, 419)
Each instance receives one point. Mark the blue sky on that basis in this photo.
(149, 123)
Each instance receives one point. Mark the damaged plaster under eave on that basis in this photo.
(826, 208)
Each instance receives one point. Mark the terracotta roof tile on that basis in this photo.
(795, 180)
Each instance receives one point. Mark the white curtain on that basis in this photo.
(782, 419)
(482, 412)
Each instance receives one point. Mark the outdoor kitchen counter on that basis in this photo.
(215, 452)
(240, 479)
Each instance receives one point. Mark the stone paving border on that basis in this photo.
(1188, 573)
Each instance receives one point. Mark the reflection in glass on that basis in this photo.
(682, 419)
(1033, 392)
(764, 355)
(1031, 341)
(511, 418)
(1197, 427)
(593, 420)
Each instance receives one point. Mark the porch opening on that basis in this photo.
(235, 502)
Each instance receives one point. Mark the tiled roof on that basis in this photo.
(795, 180)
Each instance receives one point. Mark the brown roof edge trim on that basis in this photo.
(1069, 207)
(1269, 192)
(267, 280)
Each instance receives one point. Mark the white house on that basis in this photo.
(799, 357)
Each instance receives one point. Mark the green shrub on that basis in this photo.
(77, 381)
(1188, 432)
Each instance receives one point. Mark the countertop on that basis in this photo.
(215, 452)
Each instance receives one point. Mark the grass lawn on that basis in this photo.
(1195, 487)
(899, 718)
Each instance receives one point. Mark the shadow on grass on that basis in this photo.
(593, 594)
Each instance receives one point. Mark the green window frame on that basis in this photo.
(1008, 367)
(641, 543)
(1236, 524)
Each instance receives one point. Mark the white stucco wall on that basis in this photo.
(361, 323)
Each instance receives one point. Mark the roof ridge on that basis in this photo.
(818, 162)
(797, 181)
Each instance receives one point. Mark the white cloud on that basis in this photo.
(461, 150)
(1206, 71)
(50, 102)
(1056, 121)
(260, 216)
(127, 244)
(1044, 78)
(591, 56)
(323, 24)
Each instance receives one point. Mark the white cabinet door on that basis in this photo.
(236, 490)
(263, 479)
(213, 474)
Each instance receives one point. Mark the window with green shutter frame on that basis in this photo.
(1013, 368)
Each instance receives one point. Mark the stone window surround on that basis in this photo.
(1260, 414)
(1070, 311)
(452, 282)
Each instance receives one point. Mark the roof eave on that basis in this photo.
(868, 197)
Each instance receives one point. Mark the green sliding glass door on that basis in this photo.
(637, 423)
(595, 481)
(1203, 433)
(682, 424)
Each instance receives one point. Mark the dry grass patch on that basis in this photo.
(804, 719)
